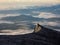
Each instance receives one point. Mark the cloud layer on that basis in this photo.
(8, 15)
(15, 32)
(21, 15)
(46, 15)
(8, 22)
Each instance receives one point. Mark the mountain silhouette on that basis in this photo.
(40, 36)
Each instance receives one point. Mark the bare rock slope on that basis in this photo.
(40, 36)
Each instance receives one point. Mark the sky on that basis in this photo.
(16, 16)
(11, 4)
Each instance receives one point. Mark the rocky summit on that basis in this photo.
(40, 36)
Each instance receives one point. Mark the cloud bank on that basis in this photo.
(15, 32)
(4, 21)
(46, 15)
(30, 12)
(8, 15)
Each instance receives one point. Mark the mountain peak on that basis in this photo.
(37, 28)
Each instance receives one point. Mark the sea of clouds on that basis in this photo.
(22, 16)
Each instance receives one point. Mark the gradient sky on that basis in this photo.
(10, 4)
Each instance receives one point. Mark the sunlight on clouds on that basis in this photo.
(52, 23)
(46, 15)
(8, 22)
(46, 23)
(8, 15)
(15, 32)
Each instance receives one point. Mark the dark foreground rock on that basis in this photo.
(41, 36)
